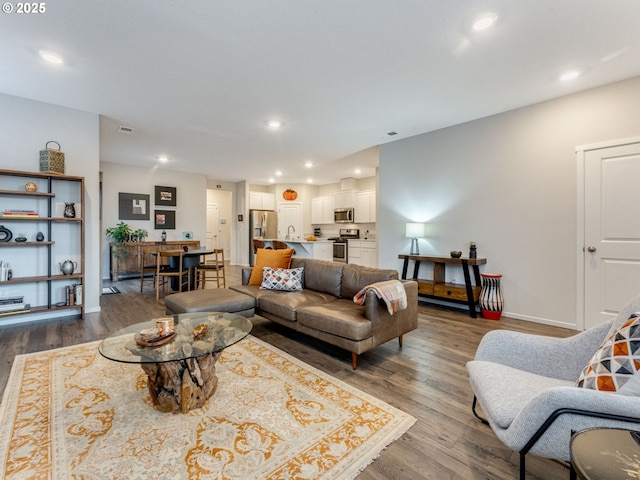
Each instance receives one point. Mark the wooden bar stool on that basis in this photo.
(213, 267)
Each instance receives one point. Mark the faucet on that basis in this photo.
(290, 228)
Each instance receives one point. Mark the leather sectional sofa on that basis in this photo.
(325, 309)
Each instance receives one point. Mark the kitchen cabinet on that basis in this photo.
(42, 238)
(262, 201)
(345, 199)
(365, 207)
(322, 210)
(363, 252)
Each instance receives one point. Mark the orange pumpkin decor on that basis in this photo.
(289, 194)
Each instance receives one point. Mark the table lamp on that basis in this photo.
(414, 232)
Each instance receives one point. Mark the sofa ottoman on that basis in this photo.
(210, 300)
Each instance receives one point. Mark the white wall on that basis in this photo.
(191, 209)
(507, 182)
(25, 127)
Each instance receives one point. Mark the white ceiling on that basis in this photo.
(199, 79)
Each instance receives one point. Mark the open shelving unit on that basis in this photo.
(56, 244)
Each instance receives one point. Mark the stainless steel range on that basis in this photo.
(340, 244)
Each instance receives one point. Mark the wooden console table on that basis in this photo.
(438, 288)
(127, 258)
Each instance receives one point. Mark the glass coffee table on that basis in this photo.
(180, 365)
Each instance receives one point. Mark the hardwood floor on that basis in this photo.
(426, 378)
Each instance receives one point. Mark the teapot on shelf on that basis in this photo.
(68, 267)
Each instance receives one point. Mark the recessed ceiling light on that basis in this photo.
(309, 180)
(308, 164)
(278, 173)
(484, 21)
(274, 124)
(163, 159)
(569, 75)
(51, 57)
(357, 171)
(271, 180)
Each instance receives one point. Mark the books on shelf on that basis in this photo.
(5, 273)
(12, 300)
(25, 309)
(13, 305)
(16, 213)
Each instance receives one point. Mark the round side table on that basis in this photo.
(605, 453)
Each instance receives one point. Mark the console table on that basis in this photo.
(438, 288)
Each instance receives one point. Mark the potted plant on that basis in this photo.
(120, 233)
(140, 234)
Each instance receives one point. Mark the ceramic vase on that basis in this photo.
(491, 299)
(69, 210)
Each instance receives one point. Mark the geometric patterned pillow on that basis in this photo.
(289, 280)
(615, 366)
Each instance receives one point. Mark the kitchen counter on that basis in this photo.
(321, 249)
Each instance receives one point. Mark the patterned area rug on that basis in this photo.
(70, 413)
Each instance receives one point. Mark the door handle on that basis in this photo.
(591, 249)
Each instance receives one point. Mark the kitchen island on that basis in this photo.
(319, 249)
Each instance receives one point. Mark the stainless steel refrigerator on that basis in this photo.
(263, 224)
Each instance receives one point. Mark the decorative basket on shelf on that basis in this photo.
(51, 160)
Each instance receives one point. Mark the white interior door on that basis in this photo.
(290, 220)
(213, 225)
(611, 254)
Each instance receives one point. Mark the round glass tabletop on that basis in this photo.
(196, 334)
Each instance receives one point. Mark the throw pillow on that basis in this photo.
(289, 280)
(615, 366)
(269, 258)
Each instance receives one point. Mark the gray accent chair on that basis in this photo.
(525, 385)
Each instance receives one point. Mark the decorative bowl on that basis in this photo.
(456, 253)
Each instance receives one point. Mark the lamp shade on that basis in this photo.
(415, 230)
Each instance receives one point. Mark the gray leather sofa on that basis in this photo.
(325, 310)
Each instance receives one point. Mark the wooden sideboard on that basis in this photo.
(128, 258)
(437, 287)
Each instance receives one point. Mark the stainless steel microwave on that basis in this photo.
(343, 215)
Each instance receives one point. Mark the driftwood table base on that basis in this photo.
(182, 385)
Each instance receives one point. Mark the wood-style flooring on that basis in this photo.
(425, 378)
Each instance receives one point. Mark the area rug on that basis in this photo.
(70, 413)
(109, 290)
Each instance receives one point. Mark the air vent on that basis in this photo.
(391, 134)
(125, 130)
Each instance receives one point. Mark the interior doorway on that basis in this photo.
(219, 220)
(608, 230)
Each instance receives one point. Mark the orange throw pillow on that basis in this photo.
(269, 258)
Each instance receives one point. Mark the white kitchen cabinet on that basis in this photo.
(262, 201)
(365, 207)
(345, 199)
(362, 252)
(322, 210)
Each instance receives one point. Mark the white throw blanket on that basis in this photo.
(391, 291)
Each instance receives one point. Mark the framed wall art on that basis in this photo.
(133, 206)
(165, 219)
(166, 196)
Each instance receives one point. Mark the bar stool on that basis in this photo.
(213, 267)
(174, 269)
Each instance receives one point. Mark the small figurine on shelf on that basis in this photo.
(163, 236)
(473, 251)
(69, 210)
